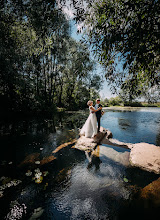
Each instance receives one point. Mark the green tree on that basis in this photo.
(115, 101)
(41, 65)
(31, 48)
(126, 32)
(105, 102)
(77, 77)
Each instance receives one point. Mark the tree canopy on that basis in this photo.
(41, 66)
(126, 32)
(125, 36)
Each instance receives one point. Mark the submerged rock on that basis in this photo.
(47, 160)
(151, 193)
(37, 213)
(30, 159)
(64, 145)
(145, 156)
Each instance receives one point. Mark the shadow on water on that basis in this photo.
(43, 177)
(26, 146)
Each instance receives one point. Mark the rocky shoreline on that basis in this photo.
(143, 155)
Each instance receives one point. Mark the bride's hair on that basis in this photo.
(89, 102)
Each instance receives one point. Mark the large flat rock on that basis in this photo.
(84, 143)
(113, 142)
(145, 156)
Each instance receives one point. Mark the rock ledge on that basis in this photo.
(145, 156)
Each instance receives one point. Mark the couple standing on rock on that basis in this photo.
(89, 129)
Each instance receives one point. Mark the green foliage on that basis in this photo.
(126, 32)
(41, 66)
(133, 104)
(150, 104)
(105, 102)
(115, 101)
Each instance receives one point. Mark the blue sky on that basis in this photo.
(105, 91)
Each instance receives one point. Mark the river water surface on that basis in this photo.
(43, 179)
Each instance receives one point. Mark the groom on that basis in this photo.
(98, 113)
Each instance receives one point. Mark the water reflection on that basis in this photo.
(93, 158)
(128, 121)
(123, 123)
(139, 125)
(96, 188)
(74, 185)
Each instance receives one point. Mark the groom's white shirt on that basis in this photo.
(96, 106)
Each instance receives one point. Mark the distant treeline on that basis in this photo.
(117, 101)
(41, 66)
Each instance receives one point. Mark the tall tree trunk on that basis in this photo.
(45, 80)
(60, 94)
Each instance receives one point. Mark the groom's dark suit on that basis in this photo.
(98, 115)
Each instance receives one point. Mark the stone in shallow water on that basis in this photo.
(151, 193)
(47, 160)
(84, 143)
(146, 156)
(30, 159)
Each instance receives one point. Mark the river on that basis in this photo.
(37, 183)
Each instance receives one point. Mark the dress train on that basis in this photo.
(89, 129)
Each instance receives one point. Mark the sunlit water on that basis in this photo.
(72, 184)
(140, 125)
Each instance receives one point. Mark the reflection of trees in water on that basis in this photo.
(42, 125)
(73, 119)
(21, 127)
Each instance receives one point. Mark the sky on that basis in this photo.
(69, 12)
(105, 91)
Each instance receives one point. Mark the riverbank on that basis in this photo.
(129, 108)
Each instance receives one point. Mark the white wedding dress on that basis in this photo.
(89, 129)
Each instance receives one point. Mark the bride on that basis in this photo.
(89, 129)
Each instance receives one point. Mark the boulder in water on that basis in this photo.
(151, 193)
(84, 143)
(146, 156)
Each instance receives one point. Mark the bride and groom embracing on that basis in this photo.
(89, 129)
